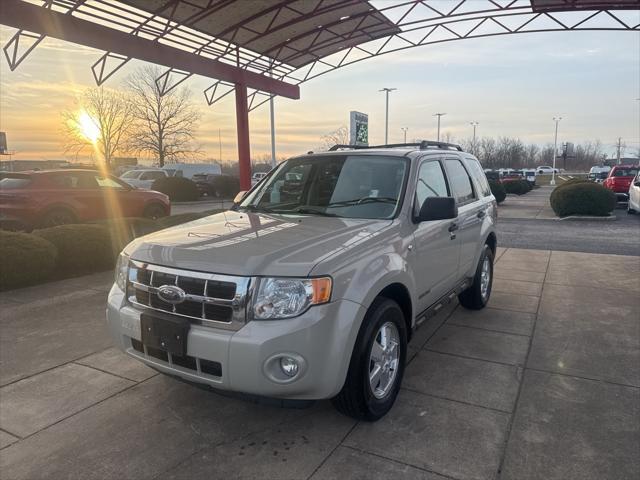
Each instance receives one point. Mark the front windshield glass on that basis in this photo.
(349, 186)
(130, 174)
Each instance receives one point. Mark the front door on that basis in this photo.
(437, 249)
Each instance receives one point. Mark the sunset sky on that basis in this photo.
(512, 85)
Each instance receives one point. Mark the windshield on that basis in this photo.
(130, 174)
(348, 186)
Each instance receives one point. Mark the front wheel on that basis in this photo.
(377, 363)
(477, 295)
(154, 211)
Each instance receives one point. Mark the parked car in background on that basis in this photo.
(599, 174)
(492, 175)
(620, 179)
(546, 170)
(219, 186)
(529, 176)
(256, 177)
(188, 170)
(511, 176)
(56, 197)
(634, 195)
(143, 178)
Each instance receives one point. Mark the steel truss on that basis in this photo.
(419, 23)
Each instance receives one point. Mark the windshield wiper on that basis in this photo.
(312, 211)
(256, 208)
(360, 201)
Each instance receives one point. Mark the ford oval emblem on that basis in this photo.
(171, 294)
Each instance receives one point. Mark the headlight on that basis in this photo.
(122, 267)
(289, 297)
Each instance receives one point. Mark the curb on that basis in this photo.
(590, 218)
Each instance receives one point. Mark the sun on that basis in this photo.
(88, 127)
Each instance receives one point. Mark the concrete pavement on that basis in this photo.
(542, 384)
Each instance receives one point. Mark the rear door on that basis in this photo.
(437, 250)
(470, 213)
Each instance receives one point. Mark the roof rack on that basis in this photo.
(423, 145)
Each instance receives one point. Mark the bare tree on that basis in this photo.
(99, 124)
(340, 136)
(163, 125)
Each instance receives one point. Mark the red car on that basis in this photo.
(55, 197)
(619, 180)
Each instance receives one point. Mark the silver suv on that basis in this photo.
(311, 287)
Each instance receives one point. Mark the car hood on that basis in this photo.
(247, 244)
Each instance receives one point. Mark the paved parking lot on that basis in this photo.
(544, 384)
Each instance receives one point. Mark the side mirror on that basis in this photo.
(438, 208)
(238, 198)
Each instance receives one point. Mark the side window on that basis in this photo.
(152, 175)
(431, 182)
(73, 180)
(106, 182)
(478, 174)
(460, 181)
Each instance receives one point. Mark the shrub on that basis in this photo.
(498, 191)
(519, 187)
(571, 181)
(25, 259)
(583, 198)
(178, 189)
(226, 186)
(81, 248)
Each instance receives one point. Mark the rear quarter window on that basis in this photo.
(479, 177)
(12, 182)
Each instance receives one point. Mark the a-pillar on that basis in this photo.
(242, 121)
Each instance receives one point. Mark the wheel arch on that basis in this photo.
(399, 293)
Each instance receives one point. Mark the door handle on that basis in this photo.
(481, 214)
(453, 227)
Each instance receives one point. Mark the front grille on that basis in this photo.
(209, 299)
(199, 365)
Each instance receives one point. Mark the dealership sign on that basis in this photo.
(359, 129)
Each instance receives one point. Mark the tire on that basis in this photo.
(154, 211)
(56, 217)
(630, 210)
(476, 296)
(358, 398)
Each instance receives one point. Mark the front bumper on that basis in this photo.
(322, 339)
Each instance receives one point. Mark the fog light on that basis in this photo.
(289, 366)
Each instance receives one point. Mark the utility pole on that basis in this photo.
(386, 113)
(404, 129)
(438, 115)
(473, 143)
(555, 151)
(618, 148)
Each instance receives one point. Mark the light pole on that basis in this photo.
(438, 115)
(473, 143)
(555, 151)
(404, 129)
(386, 113)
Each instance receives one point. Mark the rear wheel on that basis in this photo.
(155, 211)
(377, 363)
(477, 295)
(56, 217)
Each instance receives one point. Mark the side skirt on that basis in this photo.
(446, 299)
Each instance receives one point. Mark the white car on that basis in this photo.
(188, 170)
(546, 170)
(143, 178)
(634, 195)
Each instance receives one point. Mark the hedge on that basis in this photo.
(25, 259)
(519, 187)
(571, 181)
(583, 198)
(179, 189)
(82, 248)
(226, 186)
(498, 191)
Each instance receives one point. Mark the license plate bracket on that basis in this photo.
(165, 333)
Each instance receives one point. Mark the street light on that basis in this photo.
(555, 151)
(404, 129)
(386, 113)
(438, 115)
(473, 144)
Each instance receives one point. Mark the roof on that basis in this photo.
(294, 32)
